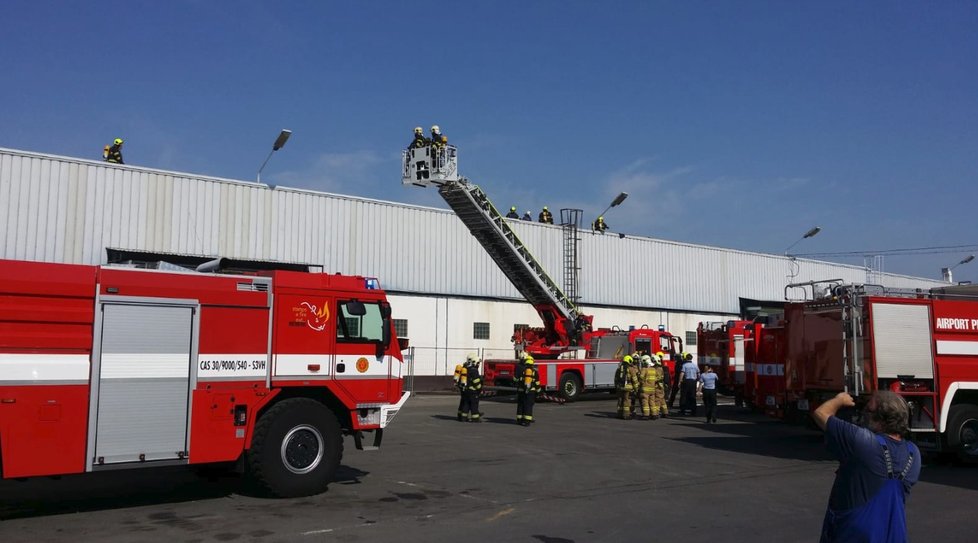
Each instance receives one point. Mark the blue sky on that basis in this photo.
(735, 124)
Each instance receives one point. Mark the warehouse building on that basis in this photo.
(448, 296)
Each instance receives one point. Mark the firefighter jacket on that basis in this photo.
(474, 380)
(112, 153)
(530, 381)
(419, 142)
(546, 217)
(660, 377)
(627, 377)
(650, 379)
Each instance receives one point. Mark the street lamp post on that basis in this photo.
(279, 143)
(810, 234)
(946, 272)
(614, 203)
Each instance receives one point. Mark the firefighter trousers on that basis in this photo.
(469, 408)
(659, 399)
(625, 398)
(650, 408)
(524, 407)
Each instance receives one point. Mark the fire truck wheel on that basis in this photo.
(962, 432)
(296, 448)
(570, 386)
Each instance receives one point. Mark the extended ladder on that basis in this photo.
(492, 230)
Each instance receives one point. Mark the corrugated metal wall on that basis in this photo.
(59, 209)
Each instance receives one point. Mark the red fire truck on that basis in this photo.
(724, 347)
(571, 377)
(764, 383)
(566, 331)
(920, 344)
(105, 367)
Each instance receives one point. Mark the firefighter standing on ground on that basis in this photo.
(113, 153)
(626, 379)
(470, 394)
(526, 391)
(659, 394)
(649, 380)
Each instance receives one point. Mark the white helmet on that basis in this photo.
(473, 358)
(417, 130)
(646, 359)
(435, 129)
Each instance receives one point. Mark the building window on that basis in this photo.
(480, 330)
(400, 327)
(690, 338)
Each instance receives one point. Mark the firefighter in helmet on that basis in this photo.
(647, 380)
(599, 225)
(659, 394)
(545, 216)
(473, 388)
(527, 388)
(113, 153)
(625, 380)
(512, 213)
(419, 140)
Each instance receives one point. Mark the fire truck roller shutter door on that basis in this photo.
(296, 448)
(143, 375)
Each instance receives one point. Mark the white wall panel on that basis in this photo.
(61, 209)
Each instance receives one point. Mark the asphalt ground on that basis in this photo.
(578, 475)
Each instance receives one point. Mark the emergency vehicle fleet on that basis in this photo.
(106, 367)
(565, 331)
(920, 344)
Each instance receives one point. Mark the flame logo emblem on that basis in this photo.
(317, 316)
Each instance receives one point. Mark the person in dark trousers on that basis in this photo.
(473, 389)
(419, 140)
(877, 468)
(691, 374)
(113, 153)
(512, 213)
(527, 388)
(708, 386)
(545, 216)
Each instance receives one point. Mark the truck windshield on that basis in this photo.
(366, 328)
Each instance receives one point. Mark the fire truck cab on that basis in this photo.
(107, 368)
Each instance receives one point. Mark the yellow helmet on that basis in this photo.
(601, 218)
(627, 359)
(117, 141)
(528, 360)
(545, 208)
(513, 208)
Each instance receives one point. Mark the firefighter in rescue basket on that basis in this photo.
(527, 388)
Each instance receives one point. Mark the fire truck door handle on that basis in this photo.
(8, 400)
(313, 367)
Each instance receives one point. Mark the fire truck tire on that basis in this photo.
(962, 432)
(296, 448)
(570, 387)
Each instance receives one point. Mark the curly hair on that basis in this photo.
(888, 413)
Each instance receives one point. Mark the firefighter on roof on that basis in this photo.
(419, 140)
(473, 388)
(113, 153)
(526, 392)
(599, 225)
(527, 216)
(546, 217)
(512, 213)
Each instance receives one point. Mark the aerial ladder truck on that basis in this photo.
(566, 330)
